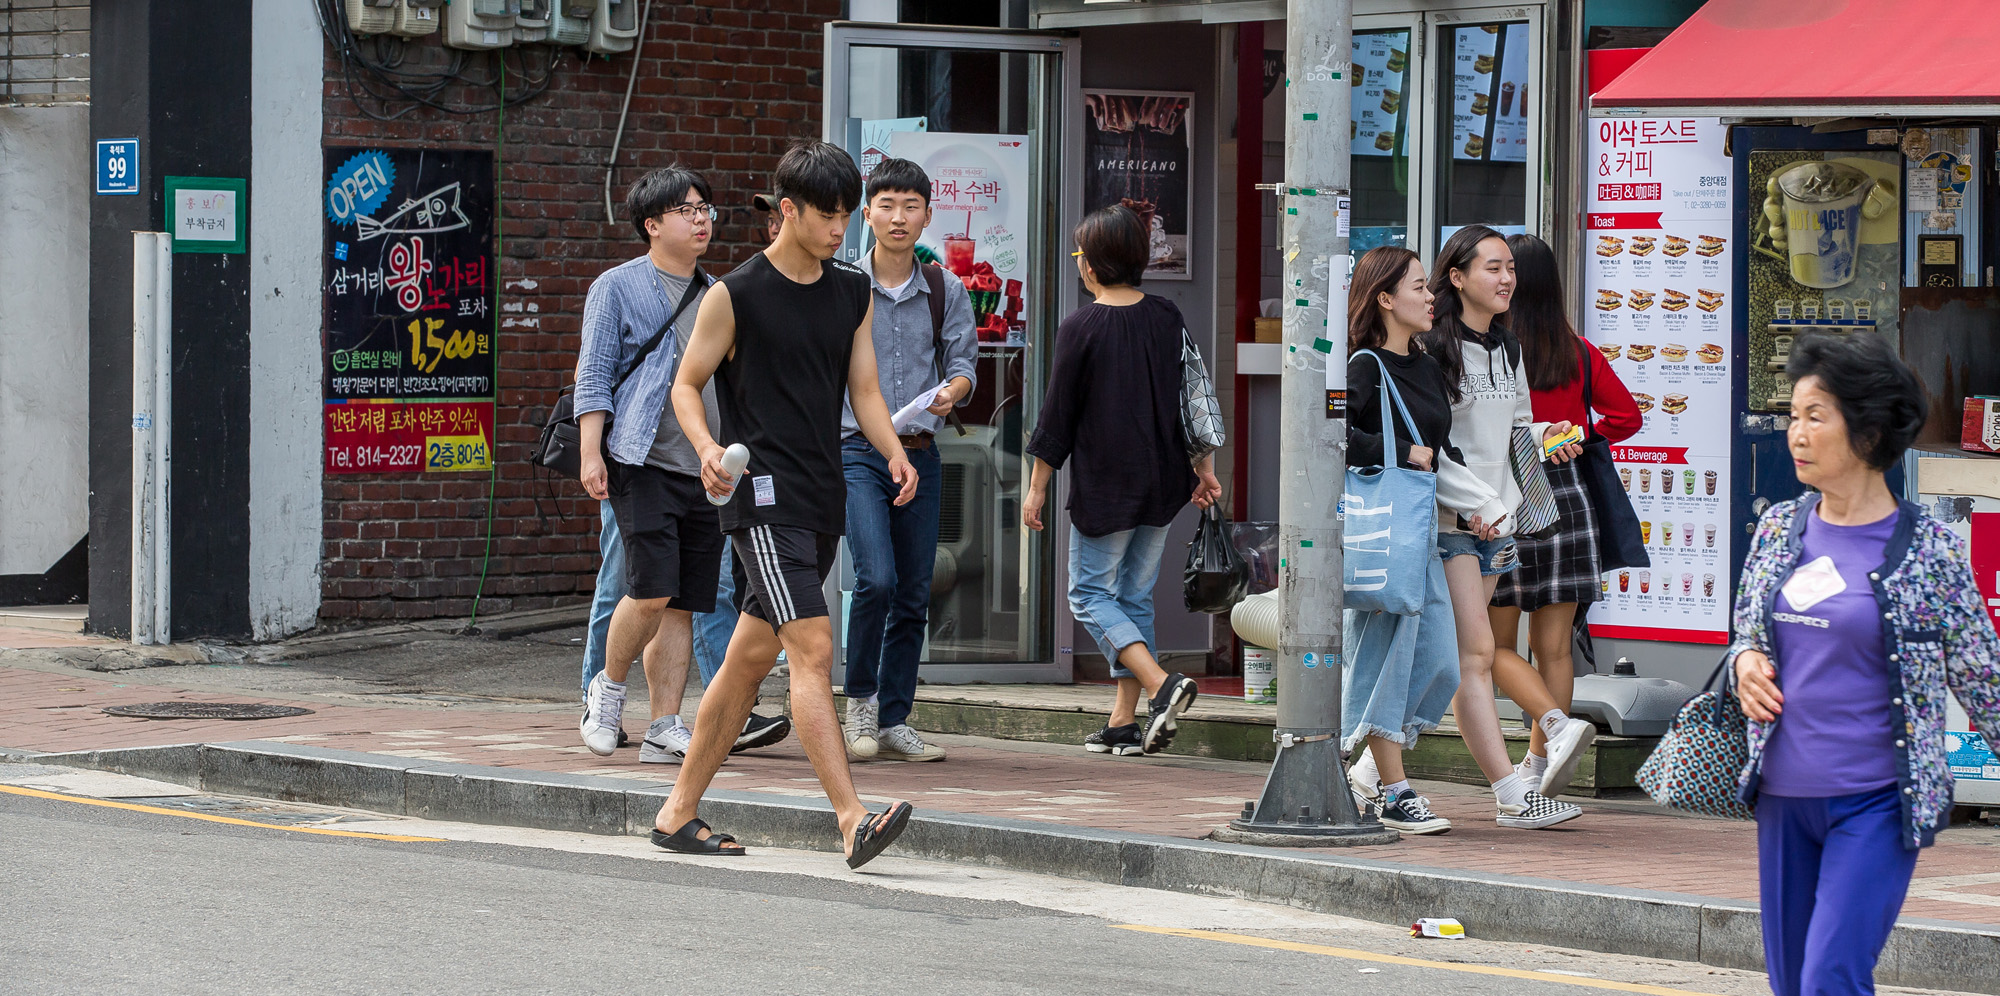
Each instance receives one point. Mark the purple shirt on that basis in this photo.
(1836, 735)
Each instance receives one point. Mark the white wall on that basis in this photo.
(285, 232)
(45, 174)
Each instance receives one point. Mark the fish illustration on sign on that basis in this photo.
(437, 211)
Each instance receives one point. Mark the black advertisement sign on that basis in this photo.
(1135, 146)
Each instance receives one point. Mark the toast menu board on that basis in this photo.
(1657, 273)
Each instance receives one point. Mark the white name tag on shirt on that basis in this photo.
(766, 492)
(1814, 583)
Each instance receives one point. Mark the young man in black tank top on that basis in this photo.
(786, 337)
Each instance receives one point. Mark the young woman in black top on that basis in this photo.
(1113, 413)
(1401, 671)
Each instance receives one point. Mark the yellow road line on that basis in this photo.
(1320, 949)
(161, 811)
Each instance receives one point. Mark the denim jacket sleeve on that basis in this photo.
(961, 339)
(601, 351)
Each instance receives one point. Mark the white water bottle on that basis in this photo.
(734, 459)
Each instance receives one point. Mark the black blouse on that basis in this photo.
(1113, 404)
(1421, 382)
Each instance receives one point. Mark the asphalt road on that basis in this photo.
(116, 900)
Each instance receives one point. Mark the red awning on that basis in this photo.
(1819, 57)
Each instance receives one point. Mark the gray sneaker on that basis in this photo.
(900, 743)
(666, 741)
(861, 730)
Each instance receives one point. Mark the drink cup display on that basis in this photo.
(1708, 586)
(1687, 584)
(1708, 481)
(1708, 535)
(1624, 581)
(1645, 582)
(1687, 534)
(1823, 220)
(1666, 534)
(1687, 480)
(958, 252)
(1506, 99)
(734, 459)
(1645, 531)
(1625, 478)
(1604, 584)
(1645, 479)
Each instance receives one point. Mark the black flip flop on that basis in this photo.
(686, 840)
(877, 832)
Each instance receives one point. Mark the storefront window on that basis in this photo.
(1483, 169)
(1381, 164)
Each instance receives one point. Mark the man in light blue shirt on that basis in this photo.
(893, 546)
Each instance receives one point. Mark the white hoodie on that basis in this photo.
(1495, 400)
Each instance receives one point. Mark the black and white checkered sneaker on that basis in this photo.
(1536, 812)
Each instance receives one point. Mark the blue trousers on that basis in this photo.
(894, 549)
(1832, 874)
(1111, 580)
(711, 629)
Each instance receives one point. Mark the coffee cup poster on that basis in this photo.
(1135, 146)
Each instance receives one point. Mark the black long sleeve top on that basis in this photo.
(1426, 395)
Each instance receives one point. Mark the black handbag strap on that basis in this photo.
(1589, 424)
(934, 279)
(696, 284)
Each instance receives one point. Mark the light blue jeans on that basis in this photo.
(711, 629)
(1111, 587)
(1401, 671)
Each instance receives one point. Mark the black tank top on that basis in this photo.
(781, 394)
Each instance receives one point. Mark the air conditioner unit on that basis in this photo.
(532, 24)
(614, 27)
(569, 21)
(480, 24)
(371, 17)
(417, 18)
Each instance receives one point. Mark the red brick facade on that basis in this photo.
(723, 89)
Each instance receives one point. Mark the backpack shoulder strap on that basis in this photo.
(934, 279)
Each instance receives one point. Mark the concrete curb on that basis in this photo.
(1921, 953)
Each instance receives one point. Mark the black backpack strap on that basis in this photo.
(934, 280)
(696, 284)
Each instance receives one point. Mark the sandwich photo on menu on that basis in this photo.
(1709, 245)
(1642, 245)
(1644, 401)
(1640, 300)
(1608, 245)
(1673, 300)
(1639, 353)
(1674, 404)
(1709, 353)
(1676, 246)
(1610, 350)
(1609, 300)
(1708, 300)
(1674, 352)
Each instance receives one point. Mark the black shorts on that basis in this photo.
(671, 535)
(780, 571)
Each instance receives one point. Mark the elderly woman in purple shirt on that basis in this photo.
(1856, 613)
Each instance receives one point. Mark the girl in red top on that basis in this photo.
(1558, 571)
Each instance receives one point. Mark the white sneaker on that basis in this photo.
(1365, 781)
(1536, 813)
(1528, 775)
(1565, 749)
(900, 743)
(667, 740)
(861, 731)
(604, 711)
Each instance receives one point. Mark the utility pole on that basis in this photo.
(1305, 801)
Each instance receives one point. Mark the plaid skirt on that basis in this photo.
(1562, 565)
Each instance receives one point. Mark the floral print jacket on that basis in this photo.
(1938, 634)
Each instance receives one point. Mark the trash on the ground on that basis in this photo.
(1369, 971)
(1442, 926)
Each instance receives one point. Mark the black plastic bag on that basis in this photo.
(1216, 578)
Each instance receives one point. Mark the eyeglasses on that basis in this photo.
(691, 212)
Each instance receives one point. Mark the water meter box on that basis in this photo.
(569, 21)
(614, 27)
(371, 17)
(480, 24)
(417, 18)
(532, 23)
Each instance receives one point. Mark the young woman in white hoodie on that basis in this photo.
(1473, 281)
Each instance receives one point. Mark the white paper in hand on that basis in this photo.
(908, 413)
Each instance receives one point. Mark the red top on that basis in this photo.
(1609, 398)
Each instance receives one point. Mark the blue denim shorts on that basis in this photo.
(1496, 556)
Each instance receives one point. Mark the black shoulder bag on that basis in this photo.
(561, 445)
(934, 277)
(1619, 543)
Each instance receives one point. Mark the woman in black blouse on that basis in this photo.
(1113, 413)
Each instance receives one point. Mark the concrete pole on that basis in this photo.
(1305, 799)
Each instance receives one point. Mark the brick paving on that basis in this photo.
(1633, 845)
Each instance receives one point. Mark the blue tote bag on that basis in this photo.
(1388, 522)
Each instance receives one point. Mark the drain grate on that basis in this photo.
(205, 710)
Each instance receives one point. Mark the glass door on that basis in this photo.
(1387, 95)
(1484, 120)
(981, 111)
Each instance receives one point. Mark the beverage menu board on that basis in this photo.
(1381, 64)
(1657, 280)
(1489, 93)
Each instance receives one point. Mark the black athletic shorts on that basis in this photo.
(780, 571)
(671, 535)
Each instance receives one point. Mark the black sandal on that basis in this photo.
(877, 832)
(686, 840)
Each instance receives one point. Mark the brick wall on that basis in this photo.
(721, 88)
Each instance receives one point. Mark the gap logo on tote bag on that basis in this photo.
(1388, 522)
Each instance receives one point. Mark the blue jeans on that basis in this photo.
(1400, 671)
(1832, 875)
(611, 589)
(1496, 556)
(894, 549)
(1111, 587)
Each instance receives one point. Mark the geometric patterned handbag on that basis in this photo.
(1201, 413)
(1695, 766)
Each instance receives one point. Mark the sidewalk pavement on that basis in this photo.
(47, 706)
